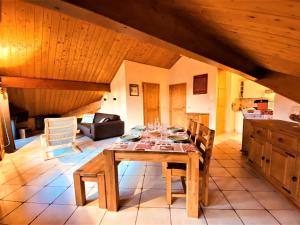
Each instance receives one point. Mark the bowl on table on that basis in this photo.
(130, 137)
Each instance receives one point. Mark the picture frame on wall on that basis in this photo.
(133, 89)
(200, 84)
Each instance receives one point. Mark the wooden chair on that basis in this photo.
(59, 131)
(204, 142)
(92, 171)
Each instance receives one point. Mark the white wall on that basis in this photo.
(282, 107)
(137, 73)
(183, 72)
(118, 91)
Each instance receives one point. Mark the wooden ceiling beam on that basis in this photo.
(34, 83)
(159, 23)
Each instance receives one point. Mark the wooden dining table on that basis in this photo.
(154, 150)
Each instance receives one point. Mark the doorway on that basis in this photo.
(177, 104)
(151, 102)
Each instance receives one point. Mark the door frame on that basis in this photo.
(144, 100)
(170, 102)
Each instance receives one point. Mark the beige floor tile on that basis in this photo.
(125, 216)
(68, 197)
(216, 200)
(88, 215)
(228, 163)
(62, 181)
(154, 182)
(178, 203)
(255, 184)
(23, 193)
(221, 217)
(45, 178)
(273, 200)
(256, 217)
(55, 214)
(129, 197)
(151, 216)
(212, 185)
(291, 217)
(218, 172)
(137, 170)
(240, 172)
(153, 171)
(24, 214)
(7, 206)
(153, 198)
(6, 189)
(23, 179)
(214, 163)
(179, 217)
(132, 182)
(47, 195)
(221, 156)
(228, 184)
(242, 200)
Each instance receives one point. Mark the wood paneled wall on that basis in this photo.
(43, 101)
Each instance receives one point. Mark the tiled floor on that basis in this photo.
(34, 191)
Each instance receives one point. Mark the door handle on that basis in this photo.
(267, 160)
(263, 158)
(294, 178)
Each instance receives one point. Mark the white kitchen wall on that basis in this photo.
(282, 107)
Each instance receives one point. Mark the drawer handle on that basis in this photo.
(258, 132)
(294, 178)
(262, 158)
(288, 191)
(267, 160)
(280, 140)
(289, 154)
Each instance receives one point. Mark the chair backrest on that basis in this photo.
(205, 141)
(189, 126)
(59, 131)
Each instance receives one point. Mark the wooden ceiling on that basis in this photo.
(40, 43)
(266, 31)
(260, 38)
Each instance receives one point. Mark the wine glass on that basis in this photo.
(295, 114)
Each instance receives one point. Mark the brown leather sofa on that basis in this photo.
(112, 128)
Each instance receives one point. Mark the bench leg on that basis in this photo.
(101, 190)
(79, 190)
(169, 186)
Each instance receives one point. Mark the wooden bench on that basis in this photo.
(91, 171)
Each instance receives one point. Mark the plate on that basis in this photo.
(130, 137)
(179, 138)
(175, 129)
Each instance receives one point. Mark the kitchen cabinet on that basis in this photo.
(273, 148)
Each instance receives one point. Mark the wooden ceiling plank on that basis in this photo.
(151, 23)
(38, 33)
(22, 82)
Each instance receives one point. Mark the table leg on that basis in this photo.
(111, 181)
(192, 196)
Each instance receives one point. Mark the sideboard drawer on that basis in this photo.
(260, 132)
(284, 141)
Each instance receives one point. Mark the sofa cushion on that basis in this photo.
(88, 118)
(99, 116)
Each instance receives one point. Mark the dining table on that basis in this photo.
(153, 147)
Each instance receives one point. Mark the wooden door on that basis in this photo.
(177, 104)
(151, 102)
(281, 167)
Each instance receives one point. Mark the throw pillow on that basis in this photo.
(103, 120)
(88, 118)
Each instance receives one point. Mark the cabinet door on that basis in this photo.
(256, 154)
(281, 168)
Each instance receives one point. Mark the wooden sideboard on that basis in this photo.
(273, 148)
(199, 117)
